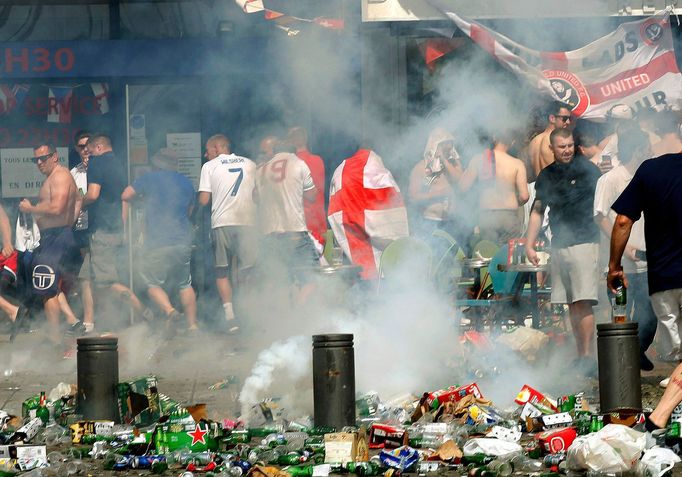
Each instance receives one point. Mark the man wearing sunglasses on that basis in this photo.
(55, 213)
(559, 117)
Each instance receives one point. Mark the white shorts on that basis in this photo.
(575, 273)
(666, 305)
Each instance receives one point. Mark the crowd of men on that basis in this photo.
(268, 221)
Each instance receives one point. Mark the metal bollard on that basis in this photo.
(97, 365)
(334, 380)
(618, 353)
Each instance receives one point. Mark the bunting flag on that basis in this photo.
(633, 65)
(60, 104)
(365, 205)
(101, 93)
(435, 48)
(12, 97)
(284, 21)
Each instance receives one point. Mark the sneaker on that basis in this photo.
(19, 321)
(89, 327)
(664, 383)
(77, 329)
(233, 326)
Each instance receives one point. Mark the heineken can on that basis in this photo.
(566, 403)
(673, 429)
(597, 422)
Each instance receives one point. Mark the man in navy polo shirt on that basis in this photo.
(655, 191)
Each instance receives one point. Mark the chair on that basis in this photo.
(405, 254)
(446, 269)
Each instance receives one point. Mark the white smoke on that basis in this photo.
(288, 359)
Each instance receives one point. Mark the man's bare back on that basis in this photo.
(509, 189)
(60, 191)
(540, 153)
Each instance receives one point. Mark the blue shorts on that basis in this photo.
(295, 251)
(49, 259)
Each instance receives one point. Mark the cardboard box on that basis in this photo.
(138, 401)
(27, 456)
(340, 447)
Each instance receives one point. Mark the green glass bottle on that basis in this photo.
(363, 469)
(289, 459)
(300, 470)
(479, 459)
(43, 412)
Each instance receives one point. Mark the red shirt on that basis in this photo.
(315, 215)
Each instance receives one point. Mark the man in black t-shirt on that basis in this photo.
(567, 187)
(656, 191)
(106, 181)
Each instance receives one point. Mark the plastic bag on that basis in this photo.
(615, 448)
(659, 460)
(490, 446)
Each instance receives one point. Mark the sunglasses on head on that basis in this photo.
(44, 157)
(563, 117)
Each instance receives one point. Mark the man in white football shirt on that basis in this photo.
(228, 181)
(284, 182)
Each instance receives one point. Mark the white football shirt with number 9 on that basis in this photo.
(281, 184)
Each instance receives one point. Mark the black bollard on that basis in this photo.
(334, 380)
(619, 380)
(97, 364)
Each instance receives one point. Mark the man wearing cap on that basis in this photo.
(55, 213)
(167, 198)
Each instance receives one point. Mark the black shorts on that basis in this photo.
(49, 259)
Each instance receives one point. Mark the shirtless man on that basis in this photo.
(668, 127)
(55, 213)
(503, 188)
(540, 153)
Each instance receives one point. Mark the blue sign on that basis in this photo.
(127, 58)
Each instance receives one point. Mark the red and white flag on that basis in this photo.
(365, 204)
(60, 104)
(101, 93)
(12, 97)
(633, 65)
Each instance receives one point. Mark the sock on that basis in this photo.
(650, 426)
(229, 312)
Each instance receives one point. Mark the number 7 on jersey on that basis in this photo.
(235, 187)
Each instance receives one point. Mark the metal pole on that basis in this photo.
(334, 380)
